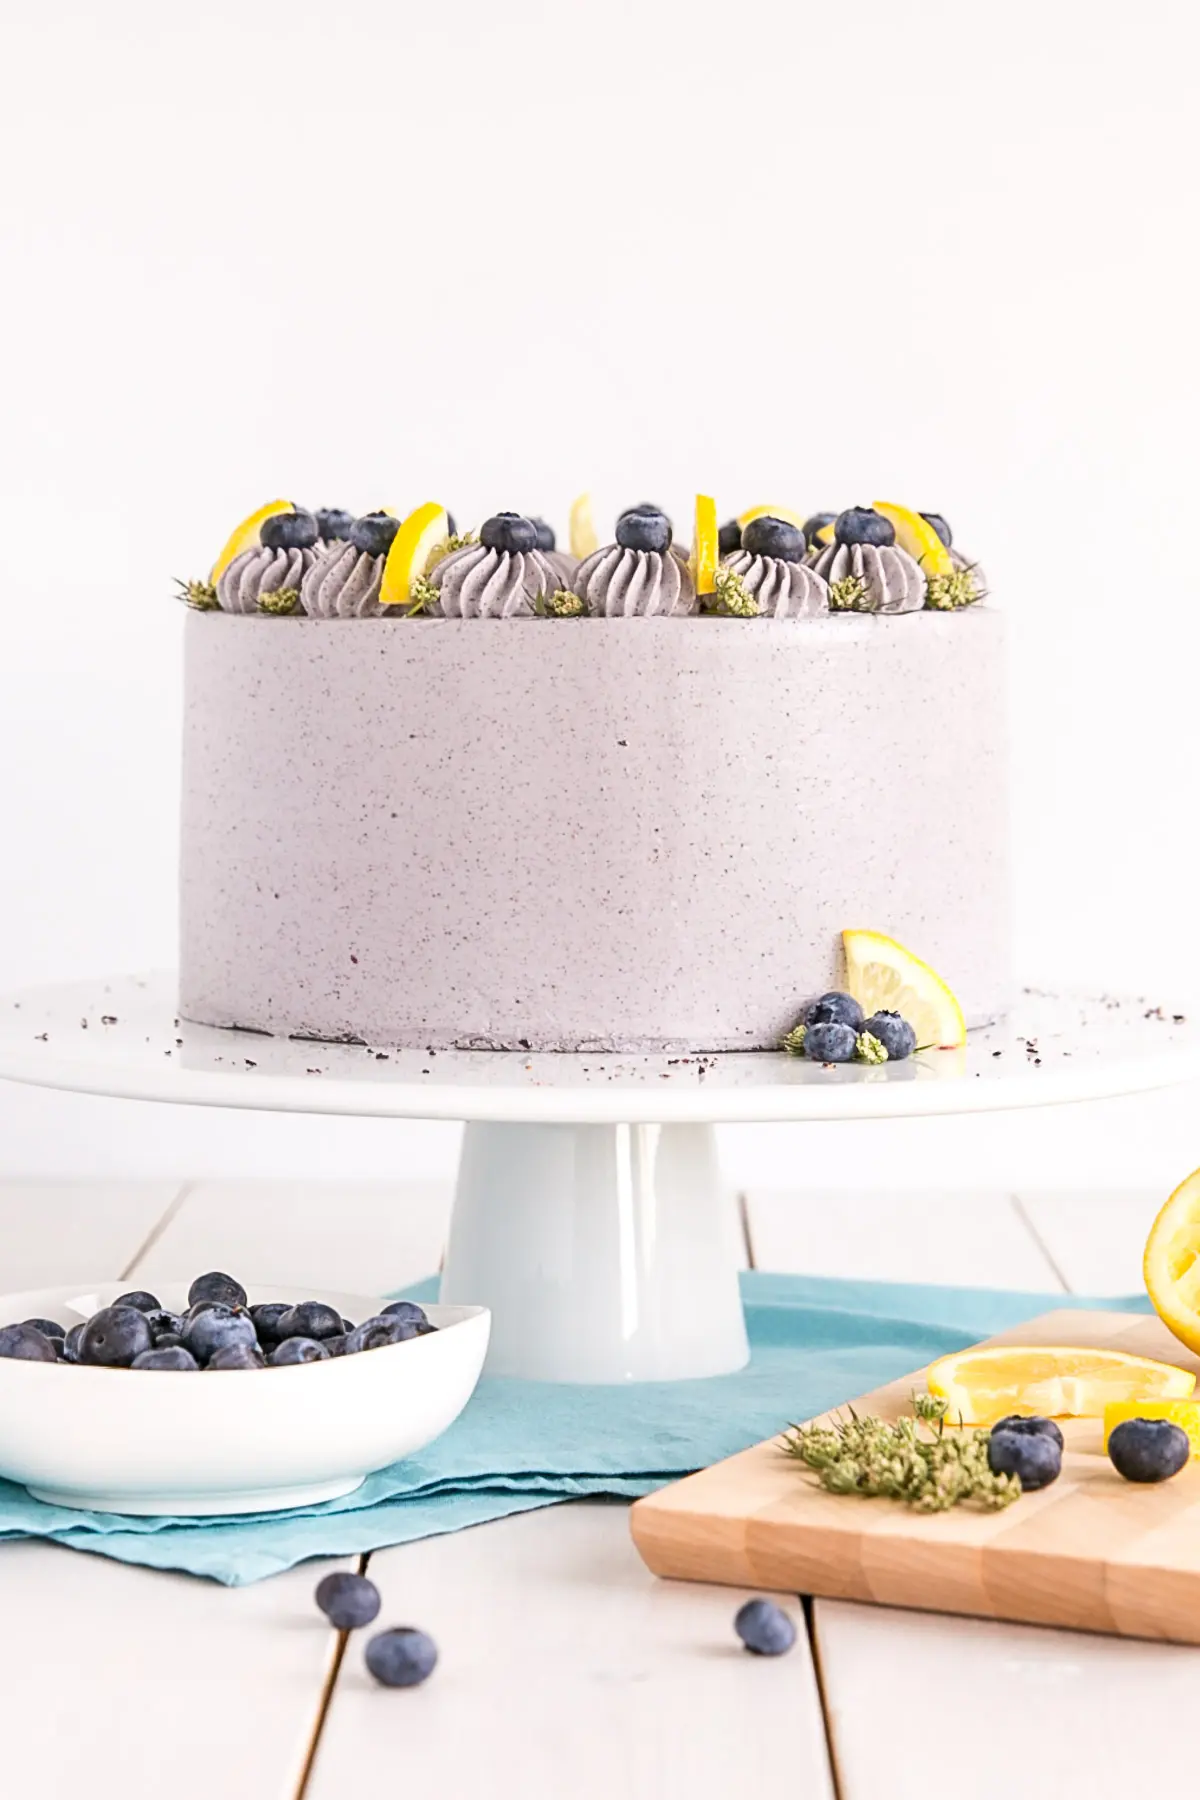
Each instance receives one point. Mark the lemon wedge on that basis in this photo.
(1184, 1413)
(1172, 1263)
(988, 1383)
(771, 512)
(823, 535)
(414, 547)
(705, 545)
(583, 531)
(917, 536)
(884, 976)
(246, 535)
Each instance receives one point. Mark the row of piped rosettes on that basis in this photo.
(330, 565)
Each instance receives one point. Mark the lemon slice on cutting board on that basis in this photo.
(917, 536)
(1184, 1413)
(245, 537)
(786, 513)
(1171, 1264)
(414, 548)
(885, 977)
(706, 552)
(1053, 1381)
(584, 541)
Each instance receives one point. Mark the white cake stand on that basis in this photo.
(590, 1212)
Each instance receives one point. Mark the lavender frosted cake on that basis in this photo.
(479, 796)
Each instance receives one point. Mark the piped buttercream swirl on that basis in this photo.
(344, 583)
(625, 584)
(887, 578)
(784, 590)
(479, 583)
(260, 571)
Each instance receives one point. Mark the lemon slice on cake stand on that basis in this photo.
(885, 977)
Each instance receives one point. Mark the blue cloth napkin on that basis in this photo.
(521, 1444)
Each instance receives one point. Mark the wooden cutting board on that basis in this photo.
(1092, 1551)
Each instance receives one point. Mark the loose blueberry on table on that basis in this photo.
(401, 1657)
(764, 1628)
(348, 1601)
(219, 1331)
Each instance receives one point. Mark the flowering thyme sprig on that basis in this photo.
(913, 1460)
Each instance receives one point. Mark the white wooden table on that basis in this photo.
(567, 1671)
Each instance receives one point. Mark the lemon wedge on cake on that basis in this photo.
(245, 536)
(584, 541)
(414, 548)
(1172, 1263)
(885, 977)
(706, 551)
(917, 536)
(785, 513)
(1048, 1381)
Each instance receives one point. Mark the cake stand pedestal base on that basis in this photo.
(606, 1253)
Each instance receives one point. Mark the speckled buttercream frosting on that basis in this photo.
(882, 577)
(606, 834)
(619, 583)
(343, 583)
(258, 572)
(479, 583)
(782, 590)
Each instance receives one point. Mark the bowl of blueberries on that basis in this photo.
(344, 1385)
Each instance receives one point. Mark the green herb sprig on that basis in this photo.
(200, 594)
(849, 595)
(912, 1460)
(280, 600)
(949, 593)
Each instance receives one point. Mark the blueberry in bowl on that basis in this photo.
(81, 1423)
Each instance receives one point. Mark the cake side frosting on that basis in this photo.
(621, 834)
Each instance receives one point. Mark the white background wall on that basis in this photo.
(366, 253)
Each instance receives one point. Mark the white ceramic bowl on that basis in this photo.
(137, 1441)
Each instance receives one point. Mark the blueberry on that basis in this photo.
(402, 1657)
(863, 525)
(25, 1343)
(336, 1346)
(113, 1336)
(164, 1324)
(297, 1350)
(237, 1356)
(333, 522)
(374, 1334)
(169, 1340)
(940, 526)
(545, 534)
(650, 530)
(404, 1309)
(764, 1628)
(835, 1009)
(774, 537)
(140, 1300)
(311, 1319)
(1031, 1455)
(266, 1320)
(347, 1325)
(508, 531)
(831, 1043)
(73, 1340)
(451, 527)
(215, 1327)
(372, 534)
(47, 1327)
(729, 538)
(348, 1601)
(1029, 1427)
(1148, 1449)
(166, 1356)
(894, 1033)
(817, 522)
(215, 1286)
(288, 531)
